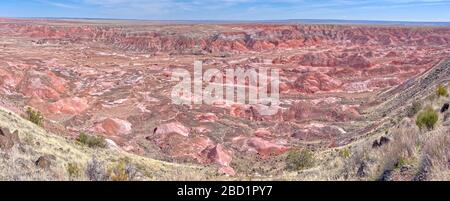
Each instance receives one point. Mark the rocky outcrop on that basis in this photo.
(260, 146)
(219, 155)
(312, 82)
(257, 38)
(169, 128)
(72, 106)
(44, 162)
(208, 117)
(114, 127)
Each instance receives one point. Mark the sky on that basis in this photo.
(385, 10)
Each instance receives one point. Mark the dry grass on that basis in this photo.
(18, 163)
(437, 149)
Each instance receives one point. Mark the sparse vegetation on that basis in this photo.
(300, 159)
(414, 109)
(35, 116)
(20, 165)
(95, 170)
(442, 91)
(73, 170)
(122, 171)
(400, 163)
(344, 153)
(91, 141)
(427, 118)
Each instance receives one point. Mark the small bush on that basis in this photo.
(73, 170)
(442, 91)
(35, 116)
(300, 159)
(122, 171)
(400, 163)
(344, 153)
(427, 118)
(91, 141)
(96, 171)
(414, 109)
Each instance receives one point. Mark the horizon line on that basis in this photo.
(305, 20)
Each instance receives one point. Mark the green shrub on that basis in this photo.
(73, 170)
(442, 91)
(427, 118)
(414, 109)
(91, 141)
(344, 153)
(35, 116)
(300, 159)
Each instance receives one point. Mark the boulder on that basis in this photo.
(445, 107)
(382, 141)
(44, 162)
(362, 170)
(8, 139)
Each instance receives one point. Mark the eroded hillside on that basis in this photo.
(114, 80)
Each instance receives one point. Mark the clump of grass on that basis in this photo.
(122, 171)
(73, 170)
(414, 109)
(35, 116)
(300, 159)
(91, 141)
(442, 91)
(427, 118)
(400, 163)
(344, 153)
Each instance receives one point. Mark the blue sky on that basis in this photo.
(396, 10)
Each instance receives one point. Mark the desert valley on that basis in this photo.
(342, 87)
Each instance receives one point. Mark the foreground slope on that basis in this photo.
(39, 155)
(396, 149)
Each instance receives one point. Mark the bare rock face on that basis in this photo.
(72, 106)
(312, 82)
(173, 127)
(358, 61)
(46, 86)
(114, 127)
(181, 147)
(329, 111)
(8, 139)
(219, 155)
(318, 131)
(208, 117)
(227, 171)
(260, 146)
(262, 132)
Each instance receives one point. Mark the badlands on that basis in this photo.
(113, 79)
